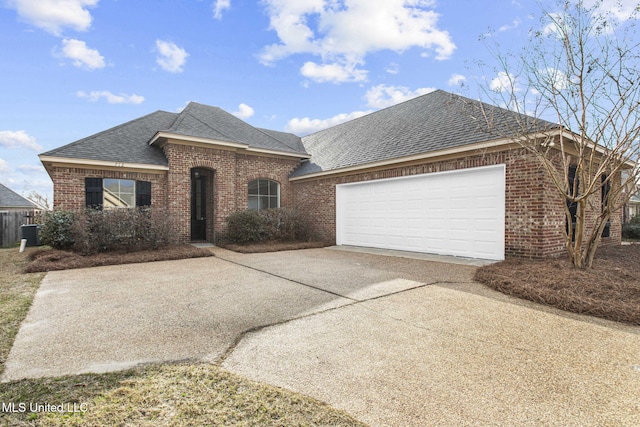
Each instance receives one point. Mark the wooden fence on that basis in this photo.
(10, 223)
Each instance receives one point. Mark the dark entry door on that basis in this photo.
(198, 206)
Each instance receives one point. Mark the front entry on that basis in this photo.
(198, 205)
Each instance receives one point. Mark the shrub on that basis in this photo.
(631, 230)
(122, 230)
(56, 229)
(267, 225)
(246, 227)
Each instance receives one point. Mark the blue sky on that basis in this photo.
(72, 68)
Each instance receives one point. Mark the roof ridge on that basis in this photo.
(189, 107)
(203, 122)
(262, 130)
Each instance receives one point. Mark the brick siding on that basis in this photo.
(534, 217)
(69, 191)
(534, 213)
(229, 175)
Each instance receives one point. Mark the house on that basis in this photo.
(632, 209)
(424, 175)
(10, 201)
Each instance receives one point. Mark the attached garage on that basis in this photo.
(460, 213)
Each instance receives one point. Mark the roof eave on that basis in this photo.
(101, 163)
(162, 137)
(412, 158)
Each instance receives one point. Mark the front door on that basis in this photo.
(198, 205)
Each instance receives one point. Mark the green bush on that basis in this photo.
(56, 229)
(635, 219)
(631, 230)
(246, 227)
(267, 225)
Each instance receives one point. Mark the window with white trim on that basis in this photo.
(264, 194)
(119, 193)
(110, 193)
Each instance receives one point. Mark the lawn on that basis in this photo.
(171, 394)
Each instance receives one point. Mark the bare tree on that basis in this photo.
(580, 72)
(41, 201)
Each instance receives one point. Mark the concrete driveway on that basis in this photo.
(393, 341)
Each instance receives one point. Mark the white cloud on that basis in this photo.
(621, 10)
(219, 6)
(4, 166)
(244, 111)
(457, 80)
(18, 139)
(306, 125)
(81, 55)
(30, 169)
(342, 34)
(393, 68)
(515, 24)
(383, 96)
(54, 15)
(502, 83)
(171, 57)
(110, 97)
(334, 73)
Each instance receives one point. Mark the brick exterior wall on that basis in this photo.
(229, 174)
(69, 191)
(534, 217)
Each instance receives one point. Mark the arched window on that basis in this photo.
(264, 194)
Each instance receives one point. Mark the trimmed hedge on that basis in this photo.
(93, 231)
(280, 224)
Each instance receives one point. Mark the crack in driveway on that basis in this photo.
(353, 301)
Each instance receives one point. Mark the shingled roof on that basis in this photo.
(436, 121)
(11, 199)
(126, 143)
(204, 121)
(129, 142)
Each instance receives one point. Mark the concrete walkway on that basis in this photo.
(393, 341)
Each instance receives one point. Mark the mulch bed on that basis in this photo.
(272, 246)
(610, 290)
(51, 259)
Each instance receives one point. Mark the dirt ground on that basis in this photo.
(610, 290)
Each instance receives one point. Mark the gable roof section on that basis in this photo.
(291, 140)
(126, 143)
(215, 124)
(11, 199)
(436, 121)
(132, 142)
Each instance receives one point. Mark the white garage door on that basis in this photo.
(457, 213)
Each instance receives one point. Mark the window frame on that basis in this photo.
(128, 198)
(96, 188)
(263, 193)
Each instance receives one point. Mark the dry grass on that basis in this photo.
(610, 290)
(51, 260)
(16, 293)
(170, 395)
